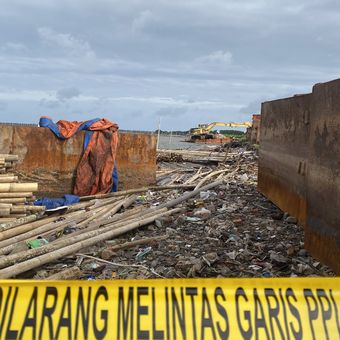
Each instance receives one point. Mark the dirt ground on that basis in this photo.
(228, 231)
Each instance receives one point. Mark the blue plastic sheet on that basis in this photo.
(52, 203)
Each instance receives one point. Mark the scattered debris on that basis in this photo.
(222, 228)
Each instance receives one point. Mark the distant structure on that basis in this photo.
(253, 132)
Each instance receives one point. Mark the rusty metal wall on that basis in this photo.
(299, 164)
(52, 162)
(255, 129)
(323, 176)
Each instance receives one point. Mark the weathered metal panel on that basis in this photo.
(299, 165)
(283, 153)
(52, 162)
(322, 232)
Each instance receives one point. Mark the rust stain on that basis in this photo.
(324, 247)
(283, 196)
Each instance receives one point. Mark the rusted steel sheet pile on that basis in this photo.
(299, 164)
(53, 162)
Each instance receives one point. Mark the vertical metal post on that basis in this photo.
(170, 139)
(159, 131)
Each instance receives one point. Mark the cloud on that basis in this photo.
(67, 42)
(135, 61)
(50, 104)
(254, 107)
(172, 112)
(3, 106)
(142, 20)
(13, 47)
(67, 93)
(216, 58)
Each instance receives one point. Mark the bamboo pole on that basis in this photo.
(139, 190)
(8, 179)
(204, 179)
(102, 219)
(13, 200)
(17, 222)
(65, 249)
(5, 220)
(9, 157)
(77, 236)
(116, 224)
(99, 209)
(5, 212)
(104, 201)
(15, 194)
(56, 226)
(80, 206)
(190, 194)
(26, 208)
(17, 209)
(26, 227)
(18, 187)
(5, 205)
(35, 208)
(95, 214)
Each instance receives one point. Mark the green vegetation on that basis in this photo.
(236, 134)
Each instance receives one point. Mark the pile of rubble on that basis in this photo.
(202, 220)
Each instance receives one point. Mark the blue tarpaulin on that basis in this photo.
(52, 203)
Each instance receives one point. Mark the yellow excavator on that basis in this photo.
(203, 131)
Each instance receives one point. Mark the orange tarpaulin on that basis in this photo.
(94, 172)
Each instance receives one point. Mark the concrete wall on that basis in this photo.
(299, 164)
(52, 162)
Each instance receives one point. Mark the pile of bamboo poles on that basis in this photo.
(14, 196)
(196, 156)
(95, 221)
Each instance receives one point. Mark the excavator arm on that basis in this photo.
(206, 128)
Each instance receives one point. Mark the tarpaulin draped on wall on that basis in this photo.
(96, 172)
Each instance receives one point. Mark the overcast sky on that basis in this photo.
(186, 61)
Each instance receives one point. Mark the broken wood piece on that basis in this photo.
(137, 242)
(72, 273)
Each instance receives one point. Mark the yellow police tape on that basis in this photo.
(305, 308)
